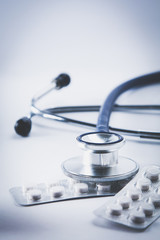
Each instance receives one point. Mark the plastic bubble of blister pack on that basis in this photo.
(137, 205)
(62, 190)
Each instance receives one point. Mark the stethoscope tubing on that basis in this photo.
(54, 114)
(107, 107)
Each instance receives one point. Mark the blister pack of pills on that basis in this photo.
(66, 189)
(137, 205)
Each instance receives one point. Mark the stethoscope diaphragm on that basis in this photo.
(100, 162)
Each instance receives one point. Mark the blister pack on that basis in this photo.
(62, 190)
(137, 205)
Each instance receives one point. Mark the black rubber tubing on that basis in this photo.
(107, 107)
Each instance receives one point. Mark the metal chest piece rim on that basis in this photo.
(100, 162)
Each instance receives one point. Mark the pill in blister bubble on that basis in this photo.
(155, 199)
(144, 206)
(115, 209)
(81, 187)
(153, 173)
(56, 191)
(134, 194)
(103, 188)
(137, 216)
(34, 194)
(28, 187)
(148, 209)
(124, 201)
(144, 184)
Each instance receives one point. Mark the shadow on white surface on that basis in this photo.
(11, 223)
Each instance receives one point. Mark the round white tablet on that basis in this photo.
(34, 194)
(134, 194)
(81, 187)
(115, 209)
(137, 216)
(28, 187)
(153, 173)
(103, 188)
(148, 209)
(124, 202)
(144, 184)
(56, 191)
(155, 199)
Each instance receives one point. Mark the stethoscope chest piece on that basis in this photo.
(100, 162)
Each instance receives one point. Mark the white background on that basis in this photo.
(100, 44)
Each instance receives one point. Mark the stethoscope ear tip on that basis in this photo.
(23, 126)
(62, 80)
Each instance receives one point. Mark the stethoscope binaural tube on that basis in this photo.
(23, 125)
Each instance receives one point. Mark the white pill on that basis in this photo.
(28, 187)
(144, 184)
(103, 188)
(81, 187)
(115, 209)
(56, 191)
(134, 194)
(148, 209)
(34, 194)
(137, 216)
(124, 202)
(92, 185)
(153, 173)
(155, 199)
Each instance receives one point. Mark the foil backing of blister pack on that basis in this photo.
(137, 205)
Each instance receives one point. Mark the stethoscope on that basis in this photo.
(100, 162)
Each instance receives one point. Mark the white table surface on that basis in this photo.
(100, 44)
